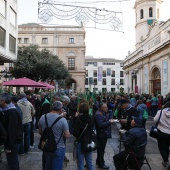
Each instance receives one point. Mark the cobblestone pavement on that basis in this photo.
(32, 160)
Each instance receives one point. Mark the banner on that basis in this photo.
(165, 77)
(108, 71)
(146, 89)
(100, 72)
(90, 80)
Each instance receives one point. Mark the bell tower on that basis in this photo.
(147, 11)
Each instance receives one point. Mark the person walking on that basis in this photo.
(164, 132)
(154, 105)
(54, 161)
(80, 122)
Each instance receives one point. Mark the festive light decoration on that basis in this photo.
(48, 9)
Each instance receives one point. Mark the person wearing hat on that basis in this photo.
(129, 111)
(135, 139)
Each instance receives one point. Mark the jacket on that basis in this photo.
(154, 101)
(80, 123)
(72, 109)
(136, 139)
(27, 110)
(129, 112)
(164, 123)
(11, 121)
(103, 126)
(140, 108)
(3, 134)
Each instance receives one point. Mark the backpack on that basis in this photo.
(145, 115)
(47, 141)
(88, 140)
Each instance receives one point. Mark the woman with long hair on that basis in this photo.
(80, 122)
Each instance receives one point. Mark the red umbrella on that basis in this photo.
(23, 82)
(48, 86)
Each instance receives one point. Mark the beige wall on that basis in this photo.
(58, 44)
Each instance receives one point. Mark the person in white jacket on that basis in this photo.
(164, 132)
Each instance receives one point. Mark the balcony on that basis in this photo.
(71, 68)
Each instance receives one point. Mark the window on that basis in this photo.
(12, 17)
(104, 73)
(3, 7)
(95, 81)
(158, 13)
(112, 89)
(150, 12)
(121, 64)
(141, 14)
(108, 63)
(113, 73)
(112, 81)
(121, 82)
(94, 73)
(86, 81)
(71, 63)
(104, 90)
(86, 73)
(95, 89)
(2, 37)
(44, 40)
(104, 81)
(121, 74)
(12, 43)
(71, 40)
(26, 40)
(91, 63)
(19, 40)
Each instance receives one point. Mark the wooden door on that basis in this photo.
(157, 86)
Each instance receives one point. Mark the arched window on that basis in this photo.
(150, 12)
(141, 14)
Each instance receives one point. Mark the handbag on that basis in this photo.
(76, 143)
(154, 132)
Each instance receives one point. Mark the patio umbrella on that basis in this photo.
(23, 82)
(48, 86)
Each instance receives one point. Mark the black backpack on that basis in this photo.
(47, 141)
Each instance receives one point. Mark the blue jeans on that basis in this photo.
(80, 159)
(54, 161)
(24, 148)
(110, 112)
(12, 158)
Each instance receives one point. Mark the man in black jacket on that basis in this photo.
(11, 121)
(135, 139)
(129, 111)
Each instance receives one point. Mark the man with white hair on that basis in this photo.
(28, 111)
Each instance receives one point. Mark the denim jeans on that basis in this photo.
(24, 148)
(110, 112)
(12, 158)
(80, 159)
(54, 161)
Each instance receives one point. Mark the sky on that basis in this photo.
(99, 43)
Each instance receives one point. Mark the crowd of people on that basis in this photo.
(21, 114)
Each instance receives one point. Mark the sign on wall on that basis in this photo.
(165, 77)
(100, 72)
(108, 71)
(146, 87)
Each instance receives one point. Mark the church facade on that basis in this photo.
(147, 69)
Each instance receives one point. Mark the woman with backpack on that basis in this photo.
(81, 121)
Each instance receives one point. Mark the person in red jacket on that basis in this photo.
(148, 104)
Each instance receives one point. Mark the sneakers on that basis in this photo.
(31, 147)
(165, 164)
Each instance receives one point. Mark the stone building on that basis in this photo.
(147, 68)
(67, 42)
(104, 74)
(8, 36)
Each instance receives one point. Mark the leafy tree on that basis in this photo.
(38, 65)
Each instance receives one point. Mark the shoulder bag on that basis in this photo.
(154, 132)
